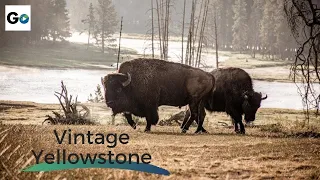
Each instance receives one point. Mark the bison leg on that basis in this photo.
(236, 128)
(194, 116)
(236, 116)
(128, 116)
(185, 120)
(242, 130)
(152, 118)
(148, 127)
(190, 119)
(201, 116)
(238, 121)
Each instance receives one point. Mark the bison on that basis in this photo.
(234, 95)
(142, 85)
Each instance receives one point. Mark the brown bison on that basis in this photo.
(234, 95)
(142, 85)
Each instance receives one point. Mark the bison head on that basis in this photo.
(251, 104)
(115, 91)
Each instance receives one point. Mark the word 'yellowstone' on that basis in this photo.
(63, 157)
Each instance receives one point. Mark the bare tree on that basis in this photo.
(188, 57)
(216, 39)
(202, 32)
(182, 37)
(152, 27)
(159, 12)
(196, 33)
(304, 21)
(119, 43)
(166, 30)
(163, 16)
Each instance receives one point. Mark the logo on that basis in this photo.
(18, 18)
(24, 19)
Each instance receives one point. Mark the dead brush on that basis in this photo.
(73, 112)
(175, 119)
(314, 174)
(301, 129)
(273, 128)
(298, 130)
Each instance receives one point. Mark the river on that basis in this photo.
(38, 85)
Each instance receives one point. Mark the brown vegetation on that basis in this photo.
(219, 155)
(277, 146)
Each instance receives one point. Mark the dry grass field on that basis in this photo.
(277, 147)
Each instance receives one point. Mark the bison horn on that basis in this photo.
(264, 97)
(245, 96)
(128, 81)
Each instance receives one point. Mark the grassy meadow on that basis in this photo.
(277, 146)
(60, 56)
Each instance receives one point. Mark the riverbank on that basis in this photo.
(76, 56)
(259, 68)
(276, 148)
(59, 56)
(23, 112)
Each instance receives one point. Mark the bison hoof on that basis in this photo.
(204, 131)
(184, 131)
(201, 131)
(240, 132)
(147, 130)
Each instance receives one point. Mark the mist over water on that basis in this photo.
(39, 85)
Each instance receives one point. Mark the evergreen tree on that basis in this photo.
(240, 27)
(60, 28)
(267, 34)
(255, 25)
(284, 40)
(229, 14)
(224, 14)
(214, 16)
(47, 25)
(90, 20)
(75, 8)
(106, 23)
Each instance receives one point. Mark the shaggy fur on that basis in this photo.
(234, 95)
(154, 83)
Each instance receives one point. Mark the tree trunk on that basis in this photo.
(182, 36)
(216, 38)
(159, 28)
(119, 44)
(152, 29)
(88, 38)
